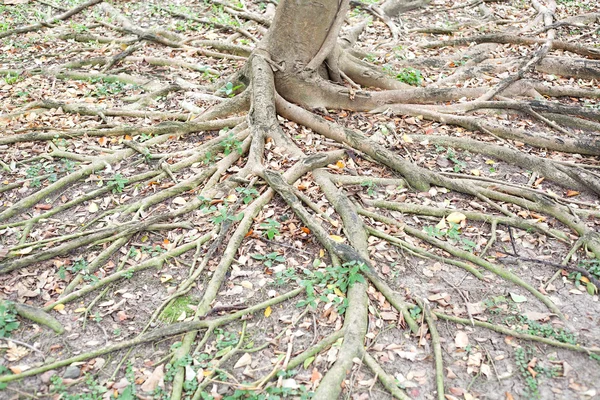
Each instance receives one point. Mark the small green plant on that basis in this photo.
(286, 276)
(183, 26)
(459, 165)
(33, 171)
(370, 185)
(231, 144)
(222, 214)
(11, 78)
(153, 251)
(370, 58)
(522, 359)
(452, 234)
(107, 87)
(221, 17)
(499, 304)
(248, 194)
(332, 282)
(208, 158)
(176, 309)
(271, 228)
(410, 76)
(269, 259)
(434, 231)
(79, 266)
(93, 389)
(270, 393)
(79, 28)
(593, 267)
(415, 312)
(526, 325)
(117, 183)
(8, 320)
(225, 340)
(229, 90)
(144, 137)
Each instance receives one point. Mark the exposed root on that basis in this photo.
(209, 203)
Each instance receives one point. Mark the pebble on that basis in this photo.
(72, 372)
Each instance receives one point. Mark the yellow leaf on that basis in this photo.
(338, 292)
(340, 164)
(26, 250)
(475, 172)
(571, 193)
(442, 224)
(456, 217)
(231, 198)
(584, 279)
(93, 207)
(268, 311)
(59, 307)
(407, 138)
(166, 278)
(321, 253)
(336, 238)
(490, 162)
(80, 309)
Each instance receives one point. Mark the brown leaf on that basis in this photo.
(461, 340)
(122, 316)
(315, 376)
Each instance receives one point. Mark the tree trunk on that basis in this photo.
(303, 30)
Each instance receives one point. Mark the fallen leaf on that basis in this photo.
(244, 360)
(154, 380)
(336, 238)
(517, 298)
(268, 311)
(315, 376)
(461, 340)
(456, 217)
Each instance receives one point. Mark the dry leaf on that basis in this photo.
(315, 376)
(268, 311)
(244, 360)
(336, 238)
(155, 379)
(456, 217)
(461, 340)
